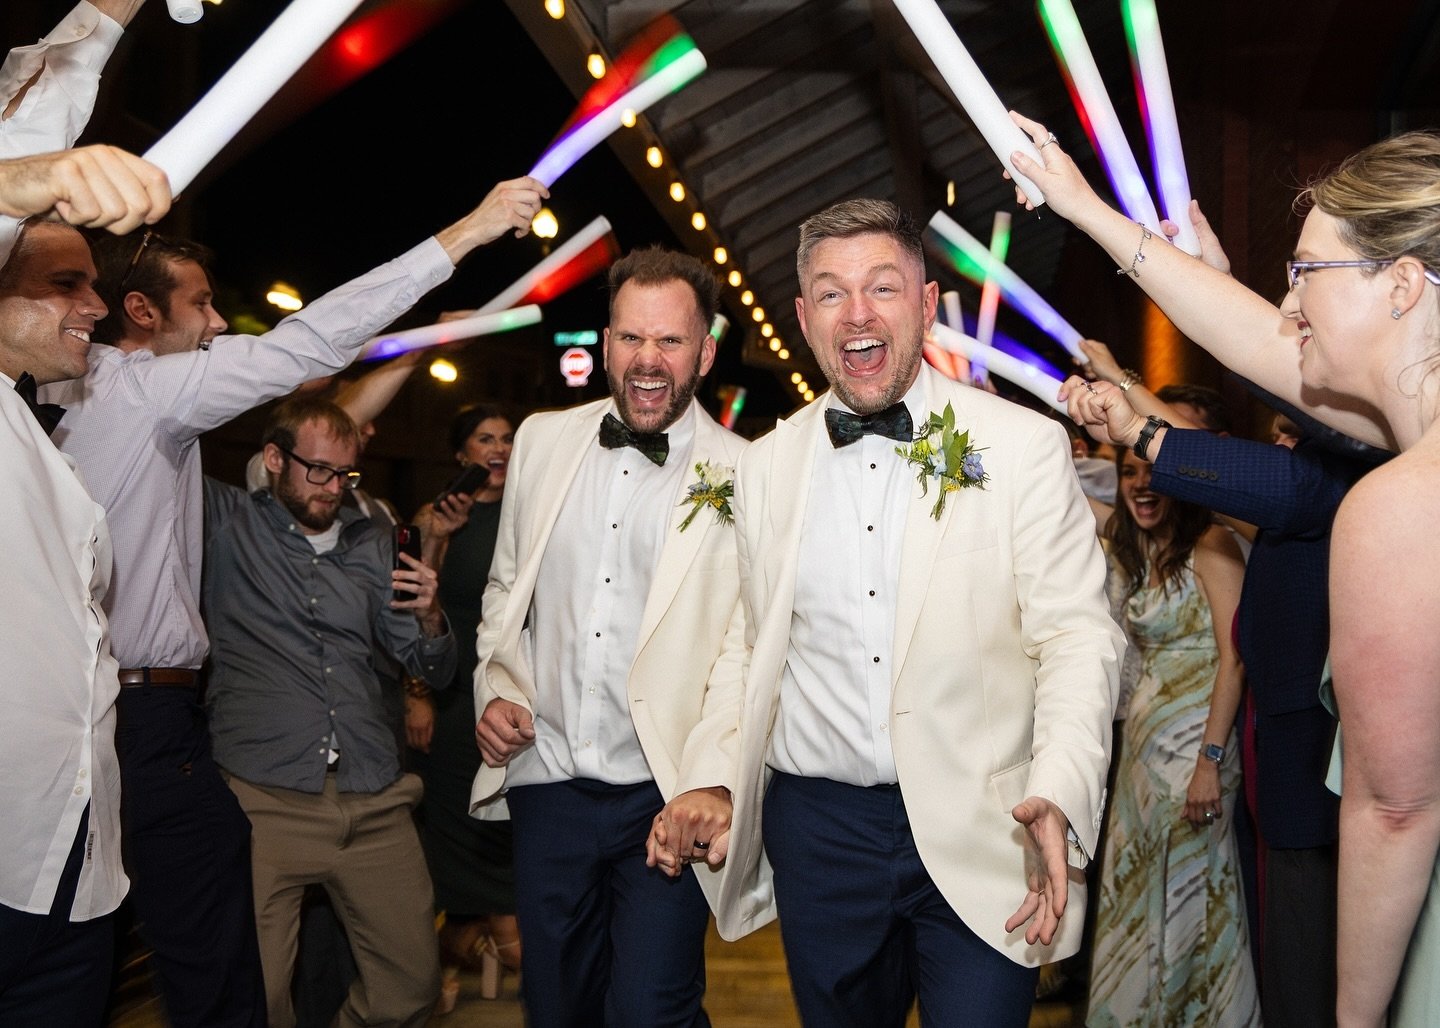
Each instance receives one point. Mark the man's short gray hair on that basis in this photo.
(857, 218)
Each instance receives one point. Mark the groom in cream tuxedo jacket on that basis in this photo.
(925, 725)
(601, 681)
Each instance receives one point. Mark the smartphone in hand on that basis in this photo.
(470, 479)
(407, 540)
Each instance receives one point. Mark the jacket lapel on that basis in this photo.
(680, 548)
(923, 535)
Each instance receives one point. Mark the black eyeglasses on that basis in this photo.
(321, 474)
(1295, 269)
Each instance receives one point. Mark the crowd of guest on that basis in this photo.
(640, 672)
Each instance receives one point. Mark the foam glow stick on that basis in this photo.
(448, 332)
(947, 363)
(527, 285)
(990, 291)
(968, 83)
(281, 49)
(1097, 113)
(1015, 371)
(676, 64)
(1157, 109)
(971, 258)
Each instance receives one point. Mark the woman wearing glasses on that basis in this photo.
(1355, 342)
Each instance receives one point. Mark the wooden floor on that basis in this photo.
(748, 988)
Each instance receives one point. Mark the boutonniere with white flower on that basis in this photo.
(715, 487)
(945, 456)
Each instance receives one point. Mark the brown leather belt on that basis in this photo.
(177, 677)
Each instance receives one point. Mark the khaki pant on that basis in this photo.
(362, 847)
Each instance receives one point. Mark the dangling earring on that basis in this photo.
(1395, 313)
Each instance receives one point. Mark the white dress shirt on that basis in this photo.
(58, 104)
(585, 617)
(57, 739)
(133, 421)
(834, 717)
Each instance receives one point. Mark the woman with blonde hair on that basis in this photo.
(1355, 343)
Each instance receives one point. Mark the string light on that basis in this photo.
(654, 157)
(758, 313)
(555, 8)
(796, 378)
(747, 298)
(677, 191)
(443, 371)
(698, 221)
(767, 330)
(735, 279)
(595, 65)
(627, 118)
(774, 346)
(285, 297)
(721, 255)
(544, 224)
(784, 354)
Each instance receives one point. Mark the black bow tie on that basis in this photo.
(48, 414)
(614, 434)
(845, 428)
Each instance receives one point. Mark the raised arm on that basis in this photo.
(47, 89)
(1241, 329)
(195, 392)
(95, 186)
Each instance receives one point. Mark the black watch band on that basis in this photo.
(1152, 425)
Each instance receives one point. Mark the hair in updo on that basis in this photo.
(1386, 199)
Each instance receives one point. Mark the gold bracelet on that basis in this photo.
(1134, 270)
(1131, 378)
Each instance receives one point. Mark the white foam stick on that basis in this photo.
(1166, 153)
(1020, 295)
(563, 255)
(950, 310)
(1016, 372)
(589, 134)
(301, 29)
(396, 343)
(970, 87)
(1112, 147)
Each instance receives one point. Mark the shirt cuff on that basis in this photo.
(428, 264)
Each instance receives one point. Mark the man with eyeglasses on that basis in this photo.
(132, 425)
(298, 591)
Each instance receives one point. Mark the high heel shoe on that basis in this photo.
(501, 950)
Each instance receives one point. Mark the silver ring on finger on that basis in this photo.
(1209, 815)
(1048, 140)
(1090, 388)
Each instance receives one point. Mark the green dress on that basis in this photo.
(471, 862)
(1171, 943)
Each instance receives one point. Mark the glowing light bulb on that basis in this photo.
(784, 354)
(443, 371)
(698, 221)
(767, 330)
(627, 118)
(654, 157)
(544, 224)
(758, 313)
(595, 65)
(774, 346)
(721, 255)
(677, 191)
(735, 279)
(809, 396)
(796, 378)
(555, 8)
(285, 297)
(747, 298)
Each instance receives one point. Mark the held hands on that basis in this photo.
(693, 827)
(504, 729)
(1046, 870)
(1102, 410)
(1101, 361)
(94, 186)
(1202, 799)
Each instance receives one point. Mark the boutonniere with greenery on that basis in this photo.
(945, 455)
(714, 489)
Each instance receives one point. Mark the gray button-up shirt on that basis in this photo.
(291, 632)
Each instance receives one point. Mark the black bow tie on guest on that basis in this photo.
(48, 414)
(845, 428)
(614, 434)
